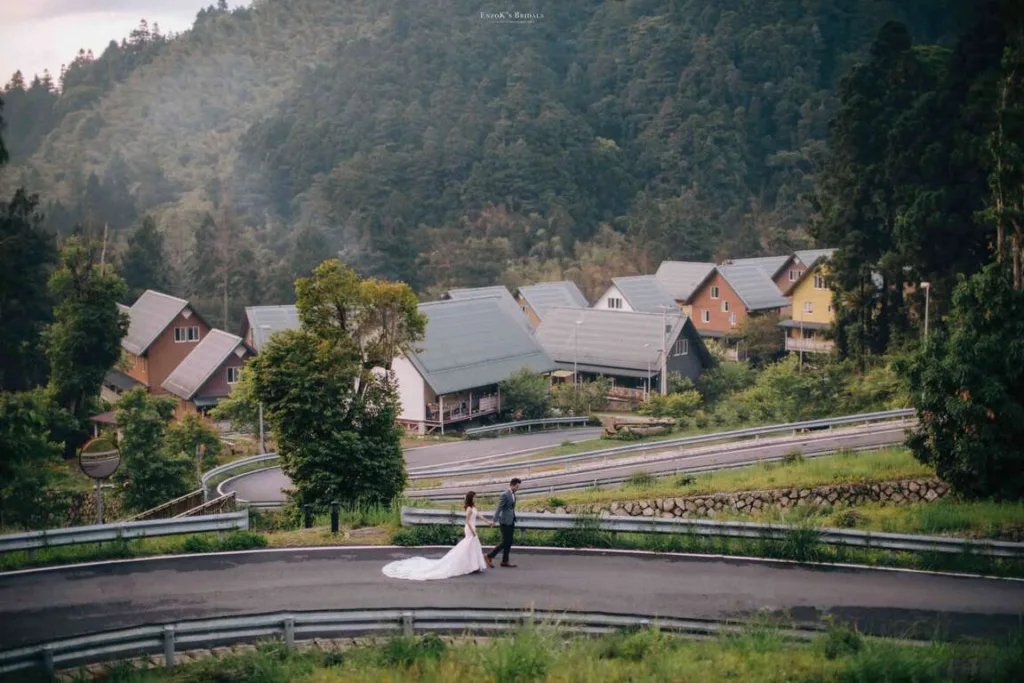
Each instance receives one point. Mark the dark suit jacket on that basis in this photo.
(505, 513)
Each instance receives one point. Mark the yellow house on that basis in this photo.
(812, 310)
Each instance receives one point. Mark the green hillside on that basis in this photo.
(427, 143)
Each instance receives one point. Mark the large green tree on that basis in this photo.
(28, 460)
(327, 389)
(84, 340)
(27, 257)
(969, 389)
(150, 473)
(144, 264)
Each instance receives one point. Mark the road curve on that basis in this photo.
(48, 604)
(743, 452)
(269, 485)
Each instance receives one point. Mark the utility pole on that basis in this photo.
(103, 252)
(927, 287)
(664, 350)
(263, 447)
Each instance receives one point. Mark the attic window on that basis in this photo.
(614, 302)
(725, 306)
(819, 282)
(186, 334)
(681, 347)
(234, 374)
(794, 275)
(714, 292)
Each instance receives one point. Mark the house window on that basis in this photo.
(808, 307)
(186, 334)
(794, 275)
(830, 308)
(819, 282)
(234, 374)
(614, 302)
(725, 306)
(705, 315)
(714, 292)
(681, 347)
(732, 318)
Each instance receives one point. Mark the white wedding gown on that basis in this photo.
(465, 558)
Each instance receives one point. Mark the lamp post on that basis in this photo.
(927, 287)
(647, 387)
(664, 351)
(575, 360)
(263, 445)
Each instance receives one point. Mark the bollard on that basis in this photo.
(48, 663)
(169, 646)
(307, 511)
(407, 625)
(334, 517)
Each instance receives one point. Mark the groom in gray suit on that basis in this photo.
(505, 515)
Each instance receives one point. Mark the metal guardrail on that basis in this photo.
(826, 423)
(225, 503)
(234, 465)
(98, 533)
(720, 529)
(429, 494)
(171, 508)
(168, 639)
(528, 424)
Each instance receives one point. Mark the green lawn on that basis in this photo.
(756, 655)
(886, 465)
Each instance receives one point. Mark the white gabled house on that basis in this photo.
(470, 346)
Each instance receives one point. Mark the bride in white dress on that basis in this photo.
(465, 558)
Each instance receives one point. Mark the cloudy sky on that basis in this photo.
(43, 34)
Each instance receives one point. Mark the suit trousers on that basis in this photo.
(507, 532)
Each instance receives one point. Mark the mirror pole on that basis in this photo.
(99, 503)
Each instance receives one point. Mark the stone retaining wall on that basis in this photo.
(747, 502)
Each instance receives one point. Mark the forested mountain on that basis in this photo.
(427, 143)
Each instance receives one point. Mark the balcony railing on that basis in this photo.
(809, 345)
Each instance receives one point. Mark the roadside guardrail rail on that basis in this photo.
(234, 465)
(167, 639)
(528, 425)
(98, 533)
(724, 529)
(666, 444)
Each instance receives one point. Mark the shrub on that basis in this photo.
(556, 502)
(197, 544)
(525, 396)
(585, 533)
(673, 405)
(241, 540)
(405, 651)
(841, 641)
(793, 457)
(433, 534)
(641, 480)
(524, 657)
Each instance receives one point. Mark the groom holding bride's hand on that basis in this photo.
(505, 516)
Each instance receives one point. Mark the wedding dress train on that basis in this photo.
(465, 558)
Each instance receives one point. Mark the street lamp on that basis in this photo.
(927, 287)
(575, 359)
(664, 351)
(263, 446)
(647, 390)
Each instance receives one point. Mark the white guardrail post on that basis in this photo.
(713, 528)
(98, 533)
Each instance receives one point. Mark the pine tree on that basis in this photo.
(144, 265)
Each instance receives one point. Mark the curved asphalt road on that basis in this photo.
(743, 452)
(56, 603)
(270, 484)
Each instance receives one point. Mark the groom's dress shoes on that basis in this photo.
(489, 561)
(507, 564)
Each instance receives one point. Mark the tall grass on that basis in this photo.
(758, 654)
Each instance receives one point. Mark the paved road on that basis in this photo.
(743, 452)
(64, 602)
(269, 485)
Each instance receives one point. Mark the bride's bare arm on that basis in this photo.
(469, 521)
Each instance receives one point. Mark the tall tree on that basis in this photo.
(144, 264)
(27, 257)
(3, 126)
(84, 340)
(150, 473)
(28, 457)
(970, 389)
(332, 409)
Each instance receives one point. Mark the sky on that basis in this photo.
(44, 34)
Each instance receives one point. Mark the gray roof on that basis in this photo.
(507, 301)
(264, 321)
(810, 256)
(753, 286)
(150, 315)
(609, 339)
(544, 296)
(198, 366)
(124, 309)
(644, 293)
(771, 265)
(680, 278)
(474, 342)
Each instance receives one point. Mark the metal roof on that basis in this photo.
(810, 256)
(199, 366)
(770, 265)
(609, 339)
(265, 321)
(507, 301)
(474, 342)
(644, 293)
(150, 315)
(544, 296)
(753, 286)
(122, 381)
(680, 278)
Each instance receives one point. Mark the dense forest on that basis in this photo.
(422, 142)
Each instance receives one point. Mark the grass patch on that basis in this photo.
(758, 654)
(842, 468)
(139, 547)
